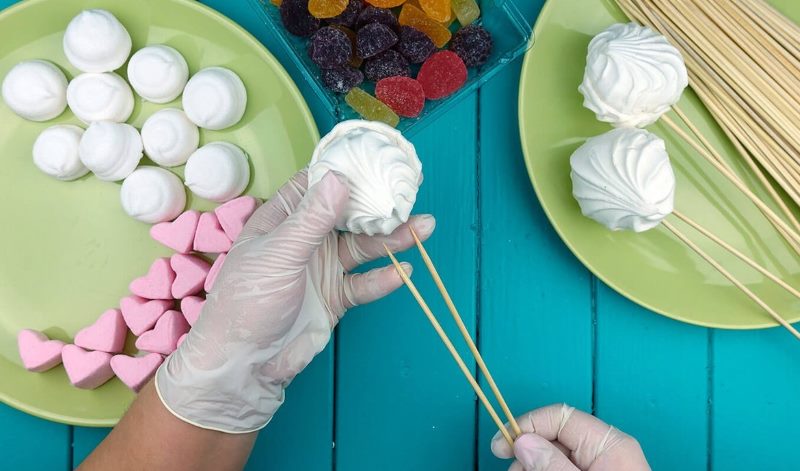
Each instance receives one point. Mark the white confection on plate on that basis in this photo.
(36, 90)
(215, 98)
(111, 150)
(382, 169)
(95, 41)
(100, 97)
(633, 75)
(153, 195)
(169, 137)
(623, 179)
(158, 73)
(218, 171)
(55, 152)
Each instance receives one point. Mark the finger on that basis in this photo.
(536, 453)
(527, 424)
(277, 208)
(356, 249)
(364, 288)
(516, 466)
(561, 447)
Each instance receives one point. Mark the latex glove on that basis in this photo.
(560, 438)
(282, 289)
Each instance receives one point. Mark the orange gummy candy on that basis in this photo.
(327, 8)
(416, 18)
(438, 10)
(386, 3)
(277, 3)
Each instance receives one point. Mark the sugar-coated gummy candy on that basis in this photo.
(372, 14)
(386, 3)
(387, 64)
(296, 18)
(326, 8)
(342, 79)
(349, 16)
(355, 61)
(438, 10)
(330, 47)
(416, 18)
(415, 45)
(371, 108)
(442, 75)
(373, 39)
(473, 44)
(403, 95)
(466, 11)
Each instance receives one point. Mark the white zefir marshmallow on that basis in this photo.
(153, 195)
(100, 97)
(158, 73)
(215, 98)
(55, 152)
(35, 90)
(633, 75)
(623, 179)
(218, 171)
(95, 41)
(169, 137)
(382, 170)
(111, 150)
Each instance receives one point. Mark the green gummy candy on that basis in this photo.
(371, 108)
(467, 11)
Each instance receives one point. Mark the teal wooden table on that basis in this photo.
(387, 396)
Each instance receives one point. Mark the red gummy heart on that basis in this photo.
(442, 75)
(403, 95)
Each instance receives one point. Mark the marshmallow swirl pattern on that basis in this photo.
(169, 137)
(95, 41)
(111, 150)
(382, 169)
(633, 75)
(623, 179)
(215, 98)
(158, 73)
(153, 195)
(55, 152)
(100, 97)
(36, 90)
(218, 171)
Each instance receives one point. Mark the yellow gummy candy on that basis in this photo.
(439, 10)
(467, 11)
(416, 18)
(277, 3)
(371, 108)
(327, 8)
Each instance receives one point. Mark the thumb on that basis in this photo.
(536, 453)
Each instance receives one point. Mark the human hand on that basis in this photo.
(284, 286)
(560, 438)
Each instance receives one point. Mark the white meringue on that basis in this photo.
(95, 41)
(55, 152)
(218, 171)
(633, 75)
(153, 195)
(169, 137)
(36, 90)
(100, 97)
(623, 179)
(382, 169)
(158, 73)
(111, 150)
(215, 98)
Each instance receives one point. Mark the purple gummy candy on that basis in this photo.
(373, 39)
(342, 79)
(388, 64)
(330, 47)
(296, 18)
(415, 45)
(349, 16)
(377, 15)
(473, 44)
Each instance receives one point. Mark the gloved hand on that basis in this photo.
(560, 438)
(283, 287)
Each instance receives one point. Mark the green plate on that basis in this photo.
(653, 269)
(67, 250)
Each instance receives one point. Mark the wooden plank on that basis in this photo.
(400, 398)
(30, 443)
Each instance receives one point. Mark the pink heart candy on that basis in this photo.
(135, 372)
(182, 338)
(212, 274)
(178, 234)
(86, 370)
(191, 307)
(142, 314)
(107, 334)
(210, 238)
(190, 275)
(234, 214)
(157, 283)
(164, 337)
(38, 353)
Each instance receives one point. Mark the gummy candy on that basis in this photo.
(388, 64)
(355, 61)
(473, 44)
(373, 39)
(403, 95)
(439, 10)
(370, 107)
(414, 17)
(342, 79)
(377, 15)
(467, 11)
(326, 8)
(330, 47)
(349, 16)
(386, 3)
(442, 74)
(277, 3)
(415, 45)
(296, 18)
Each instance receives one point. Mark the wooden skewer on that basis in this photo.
(452, 349)
(465, 333)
